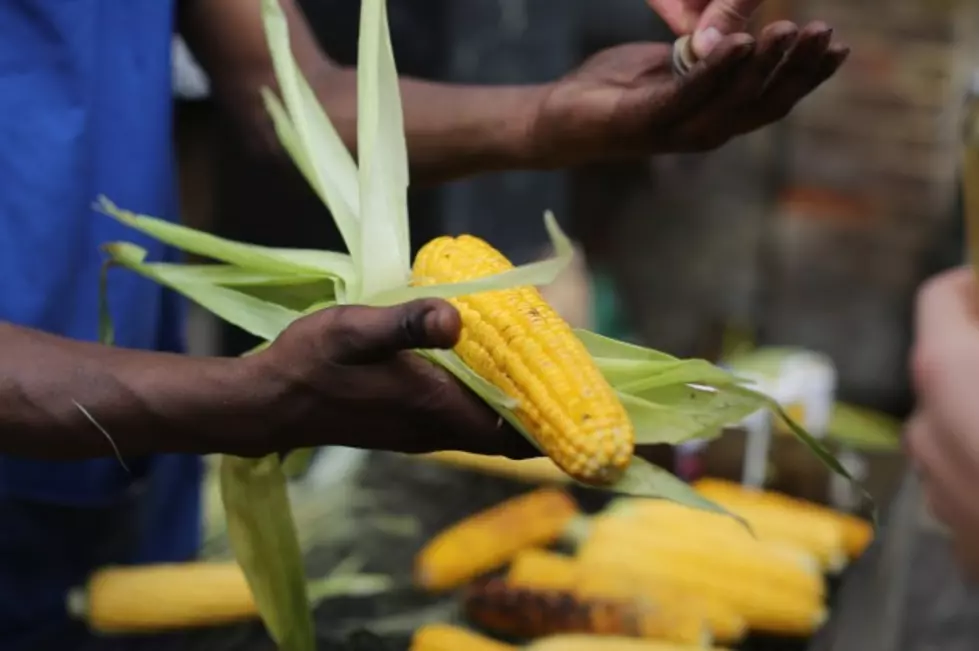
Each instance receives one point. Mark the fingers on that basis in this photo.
(681, 15)
(946, 333)
(745, 88)
(720, 18)
(947, 302)
(699, 86)
(467, 423)
(365, 335)
(811, 62)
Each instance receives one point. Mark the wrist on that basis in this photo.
(527, 145)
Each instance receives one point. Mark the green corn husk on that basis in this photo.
(263, 290)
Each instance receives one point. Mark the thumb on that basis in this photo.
(721, 18)
(363, 335)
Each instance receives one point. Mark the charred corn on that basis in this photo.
(156, 598)
(857, 532)
(764, 608)
(443, 637)
(526, 613)
(536, 471)
(489, 539)
(516, 341)
(539, 569)
(579, 642)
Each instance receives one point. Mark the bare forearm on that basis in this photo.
(452, 131)
(146, 403)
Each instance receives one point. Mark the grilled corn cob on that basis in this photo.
(443, 637)
(156, 598)
(516, 341)
(538, 471)
(488, 540)
(822, 543)
(714, 529)
(526, 613)
(539, 569)
(579, 642)
(743, 560)
(857, 532)
(764, 608)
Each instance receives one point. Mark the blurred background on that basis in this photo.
(813, 234)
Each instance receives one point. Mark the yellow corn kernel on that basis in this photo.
(784, 537)
(444, 637)
(749, 559)
(517, 342)
(540, 569)
(157, 598)
(535, 471)
(489, 539)
(582, 642)
(764, 608)
(857, 532)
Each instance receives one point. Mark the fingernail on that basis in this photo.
(705, 40)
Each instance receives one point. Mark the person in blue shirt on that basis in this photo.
(85, 109)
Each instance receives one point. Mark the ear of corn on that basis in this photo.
(580, 642)
(488, 540)
(527, 613)
(857, 533)
(160, 598)
(779, 572)
(539, 471)
(783, 537)
(764, 608)
(444, 637)
(516, 340)
(541, 570)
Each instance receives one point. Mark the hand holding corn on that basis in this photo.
(341, 376)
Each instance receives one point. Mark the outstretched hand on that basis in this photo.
(349, 378)
(626, 101)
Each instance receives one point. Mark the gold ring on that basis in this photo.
(683, 56)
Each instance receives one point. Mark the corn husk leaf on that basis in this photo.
(308, 135)
(864, 429)
(604, 347)
(326, 264)
(255, 316)
(678, 413)
(263, 536)
(382, 156)
(538, 273)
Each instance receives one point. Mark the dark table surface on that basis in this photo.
(905, 594)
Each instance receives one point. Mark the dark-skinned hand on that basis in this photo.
(626, 101)
(349, 378)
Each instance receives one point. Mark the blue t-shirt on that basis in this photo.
(85, 109)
